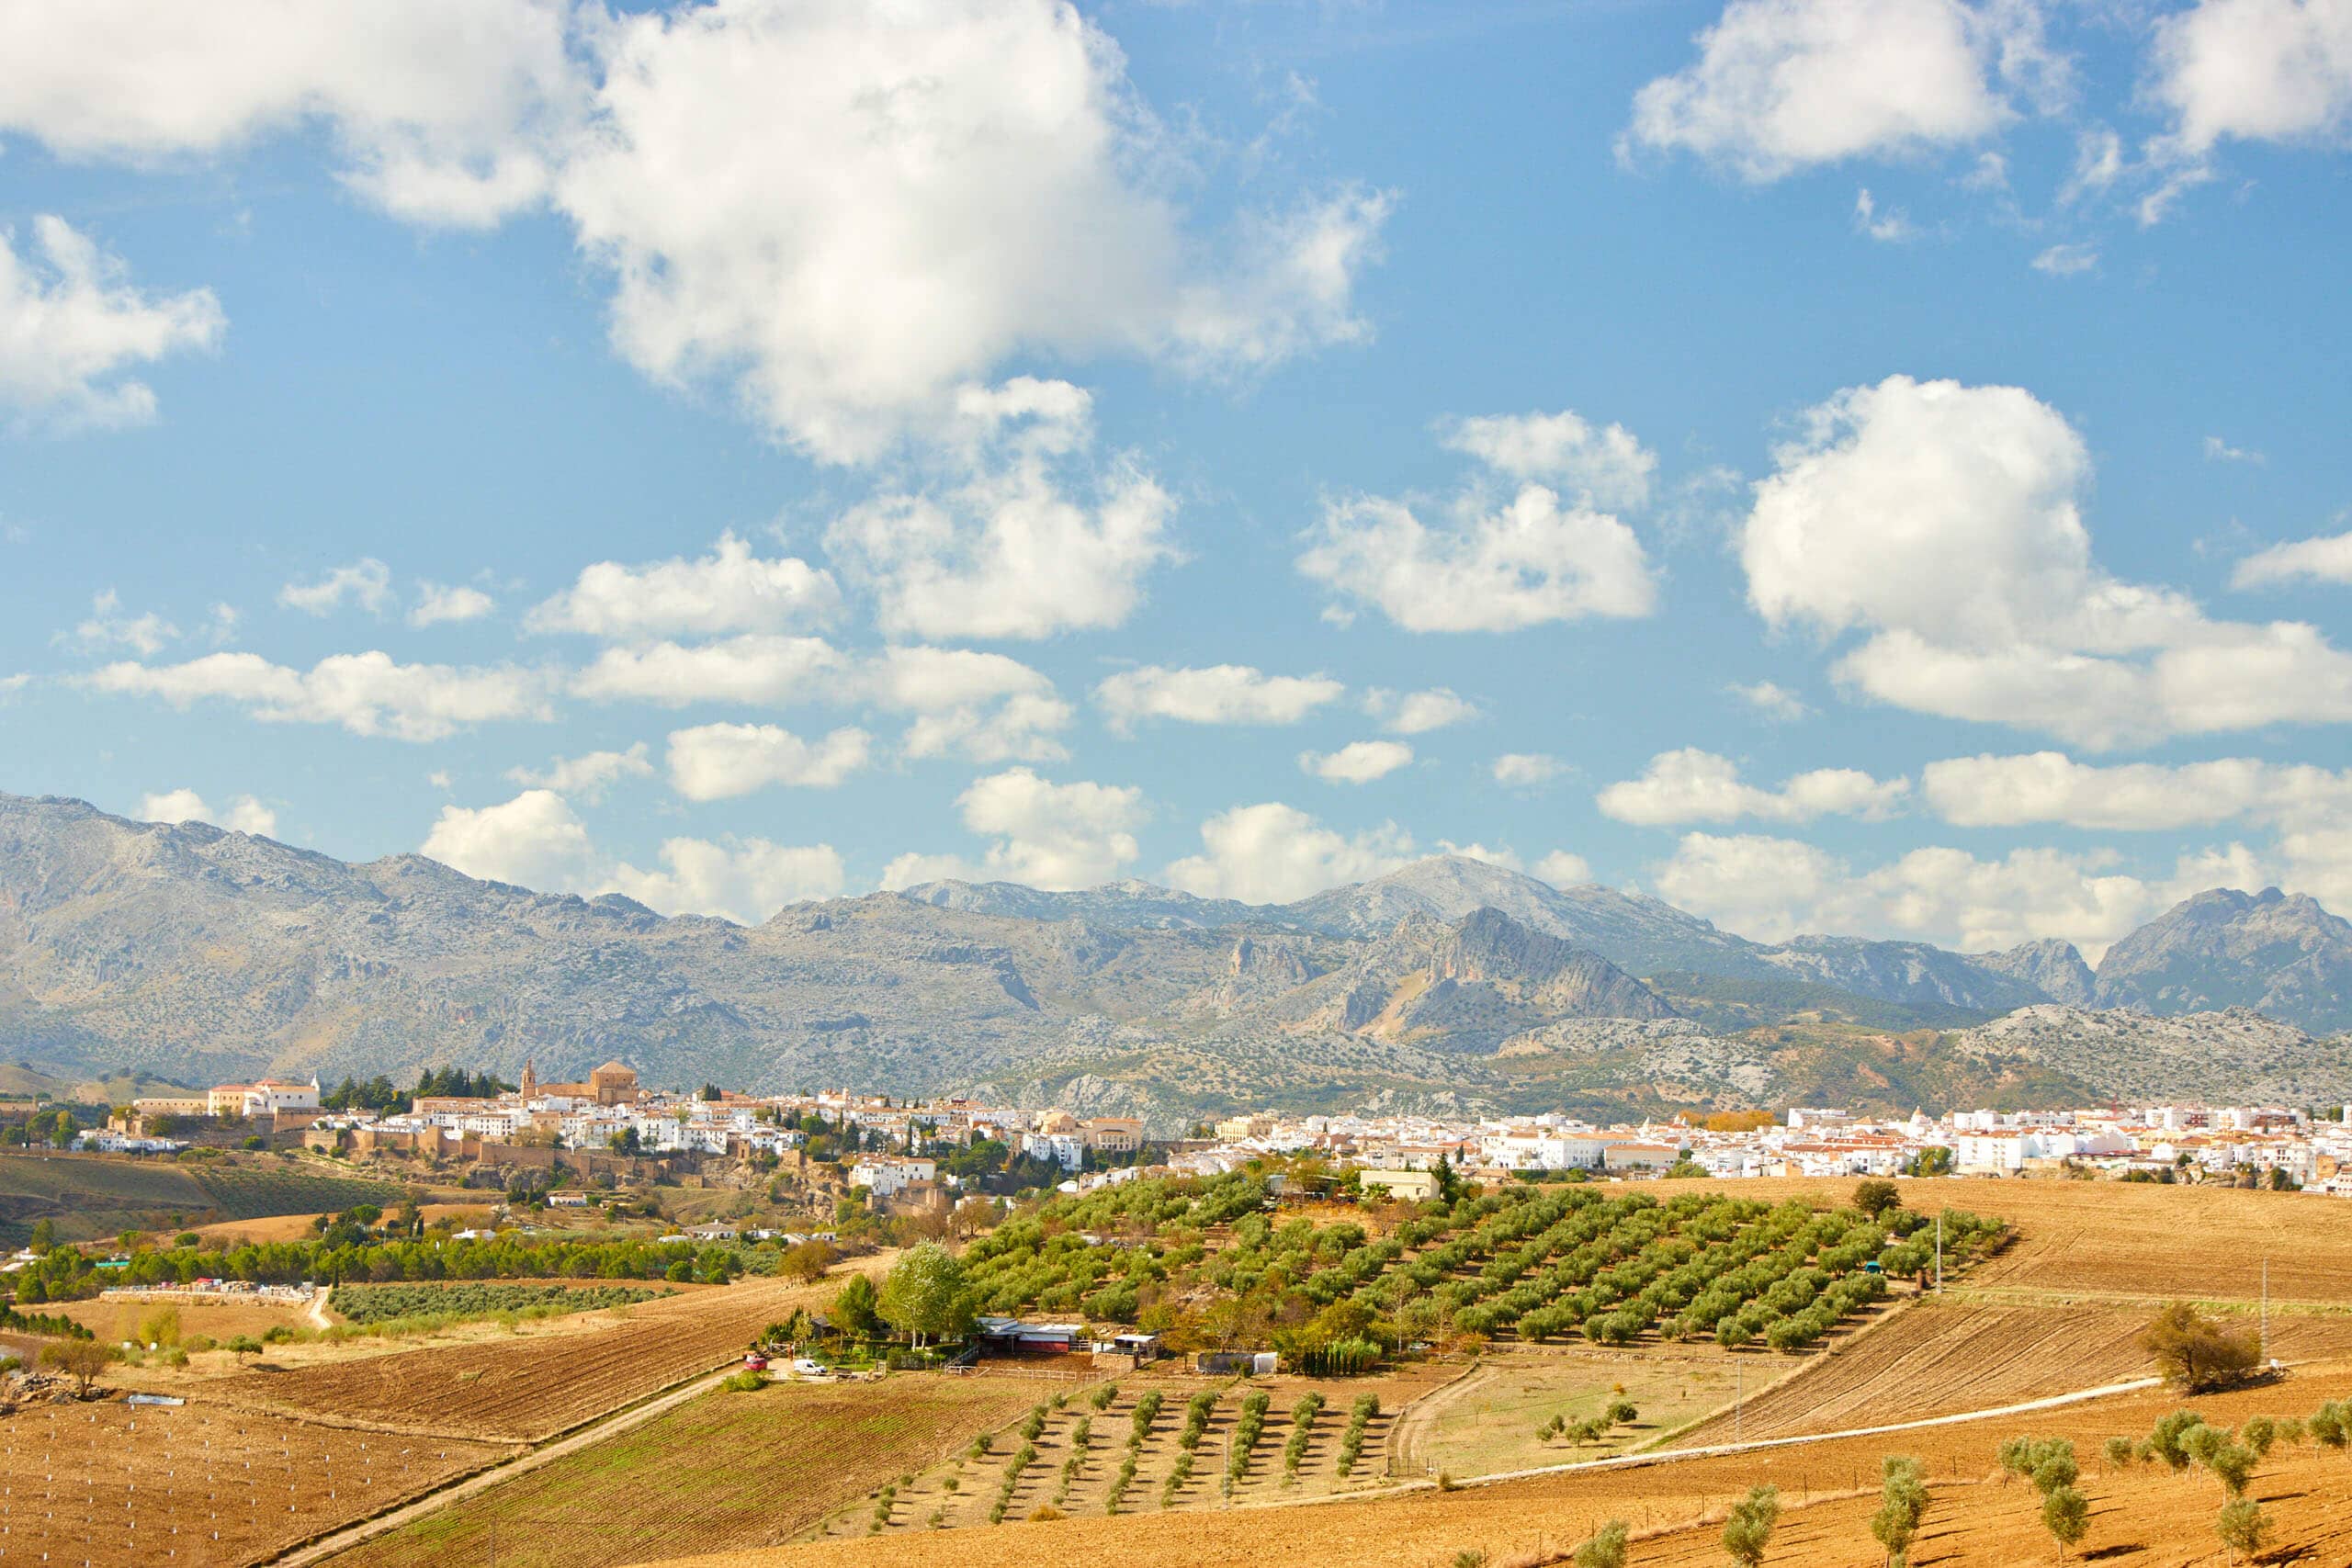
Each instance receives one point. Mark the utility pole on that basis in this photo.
(1940, 1252)
(2265, 1312)
(1739, 1396)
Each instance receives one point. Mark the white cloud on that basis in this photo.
(1944, 522)
(2254, 70)
(1774, 888)
(2326, 558)
(1219, 693)
(244, 815)
(1359, 761)
(1529, 562)
(533, 840)
(1025, 535)
(587, 776)
(108, 626)
(1891, 226)
(1048, 835)
(1562, 869)
(1272, 854)
(743, 880)
(429, 101)
(2067, 261)
(437, 602)
(367, 693)
(1783, 84)
(2048, 786)
(718, 761)
(729, 590)
(365, 581)
(756, 668)
(1770, 700)
(1607, 467)
(1417, 713)
(986, 707)
(849, 212)
(1692, 786)
(71, 322)
(2220, 451)
(1526, 770)
(2099, 163)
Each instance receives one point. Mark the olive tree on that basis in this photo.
(1749, 1529)
(1902, 1504)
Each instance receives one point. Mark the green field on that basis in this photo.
(88, 1197)
(478, 1298)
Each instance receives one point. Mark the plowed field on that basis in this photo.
(732, 1470)
(2143, 1520)
(116, 1483)
(531, 1387)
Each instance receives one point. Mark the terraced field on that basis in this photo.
(529, 1388)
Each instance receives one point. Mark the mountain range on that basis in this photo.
(200, 954)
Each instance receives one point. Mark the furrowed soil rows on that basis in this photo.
(1935, 1358)
(726, 1470)
(2140, 1518)
(118, 1484)
(531, 1387)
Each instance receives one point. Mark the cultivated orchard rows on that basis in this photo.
(1542, 1261)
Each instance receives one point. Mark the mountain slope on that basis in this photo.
(2285, 956)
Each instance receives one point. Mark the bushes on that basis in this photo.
(474, 1299)
(1245, 1437)
(1366, 1408)
(1302, 1430)
(1342, 1358)
(2195, 1353)
(745, 1382)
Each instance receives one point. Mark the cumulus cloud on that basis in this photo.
(1891, 226)
(755, 668)
(437, 603)
(71, 322)
(245, 814)
(1606, 467)
(1359, 761)
(1562, 869)
(2254, 70)
(1944, 524)
(536, 841)
(1047, 835)
(1781, 85)
(433, 105)
(1692, 786)
(366, 694)
(2326, 558)
(366, 582)
(1767, 699)
(743, 880)
(718, 762)
(1774, 888)
(1219, 693)
(1526, 770)
(1417, 713)
(1273, 853)
(729, 590)
(2049, 787)
(1024, 535)
(533, 840)
(587, 777)
(986, 707)
(110, 626)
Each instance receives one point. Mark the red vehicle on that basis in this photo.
(755, 1362)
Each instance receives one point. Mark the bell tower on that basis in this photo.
(530, 1085)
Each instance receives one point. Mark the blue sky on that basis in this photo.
(1857, 465)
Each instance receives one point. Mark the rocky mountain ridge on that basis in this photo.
(201, 954)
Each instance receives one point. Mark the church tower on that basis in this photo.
(530, 1086)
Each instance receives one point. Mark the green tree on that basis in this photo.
(1606, 1549)
(2232, 1465)
(1902, 1504)
(925, 1296)
(2242, 1527)
(44, 1236)
(1875, 1198)
(2169, 1437)
(2118, 1453)
(2067, 1515)
(1749, 1529)
(2196, 1353)
(855, 1307)
(2330, 1426)
(81, 1359)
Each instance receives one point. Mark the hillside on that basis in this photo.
(197, 954)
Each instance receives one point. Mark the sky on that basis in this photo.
(1864, 466)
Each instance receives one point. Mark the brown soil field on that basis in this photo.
(118, 1483)
(2094, 1239)
(296, 1228)
(728, 1469)
(530, 1387)
(2142, 1518)
(118, 1320)
(961, 1493)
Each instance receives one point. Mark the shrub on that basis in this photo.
(2118, 1453)
(744, 1382)
(1902, 1504)
(2067, 1515)
(2242, 1527)
(1360, 1418)
(1749, 1530)
(1606, 1549)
